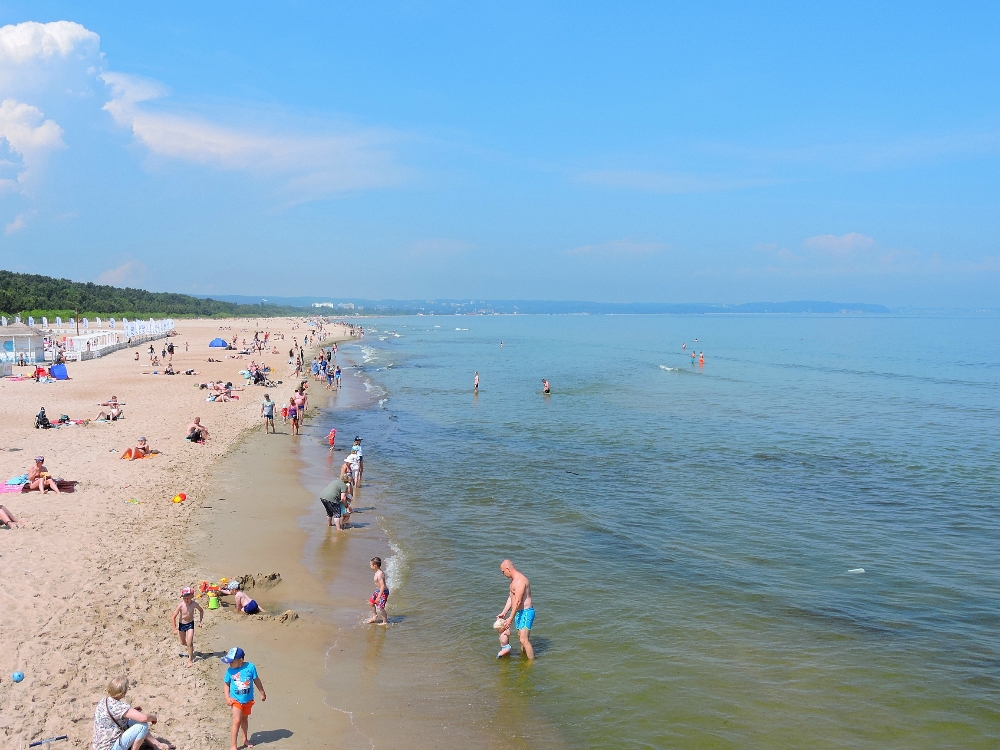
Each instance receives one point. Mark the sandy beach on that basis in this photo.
(91, 579)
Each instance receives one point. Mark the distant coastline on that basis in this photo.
(341, 306)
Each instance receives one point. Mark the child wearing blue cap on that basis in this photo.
(240, 680)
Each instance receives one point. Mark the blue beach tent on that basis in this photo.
(218, 344)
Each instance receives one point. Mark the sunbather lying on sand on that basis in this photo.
(7, 516)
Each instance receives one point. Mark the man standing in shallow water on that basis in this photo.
(522, 612)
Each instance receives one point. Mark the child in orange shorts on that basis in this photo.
(240, 680)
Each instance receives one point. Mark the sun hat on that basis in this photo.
(233, 655)
(39, 459)
(187, 591)
(233, 585)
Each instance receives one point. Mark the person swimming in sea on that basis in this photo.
(475, 383)
(545, 387)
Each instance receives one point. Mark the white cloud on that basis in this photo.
(845, 244)
(619, 249)
(129, 272)
(19, 223)
(29, 135)
(24, 42)
(308, 165)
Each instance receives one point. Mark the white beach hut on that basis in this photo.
(17, 340)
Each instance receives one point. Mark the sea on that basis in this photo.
(793, 545)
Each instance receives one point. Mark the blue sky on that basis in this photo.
(705, 152)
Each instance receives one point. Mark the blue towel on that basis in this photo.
(22, 479)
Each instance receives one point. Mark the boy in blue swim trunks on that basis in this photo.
(183, 620)
(522, 612)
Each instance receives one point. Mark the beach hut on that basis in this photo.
(17, 340)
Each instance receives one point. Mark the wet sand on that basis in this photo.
(329, 681)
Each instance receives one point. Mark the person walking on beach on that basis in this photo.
(334, 499)
(293, 415)
(380, 596)
(475, 382)
(240, 680)
(522, 612)
(267, 412)
(183, 620)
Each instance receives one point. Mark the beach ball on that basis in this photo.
(180, 497)
(17, 676)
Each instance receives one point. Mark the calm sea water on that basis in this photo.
(688, 530)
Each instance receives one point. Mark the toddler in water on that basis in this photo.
(380, 596)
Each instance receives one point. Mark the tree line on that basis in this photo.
(30, 294)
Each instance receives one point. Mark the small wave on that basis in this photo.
(375, 389)
(381, 402)
(395, 567)
(670, 369)
(461, 329)
(368, 354)
(383, 338)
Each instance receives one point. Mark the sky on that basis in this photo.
(621, 152)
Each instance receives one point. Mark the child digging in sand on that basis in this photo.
(380, 596)
(183, 621)
(240, 680)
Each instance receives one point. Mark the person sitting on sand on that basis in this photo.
(7, 516)
(141, 450)
(196, 431)
(39, 477)
(114, 411)
(119, 726)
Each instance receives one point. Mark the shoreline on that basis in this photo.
(92, 579)
(276, 518)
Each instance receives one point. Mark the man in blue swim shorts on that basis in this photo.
(522, 612)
